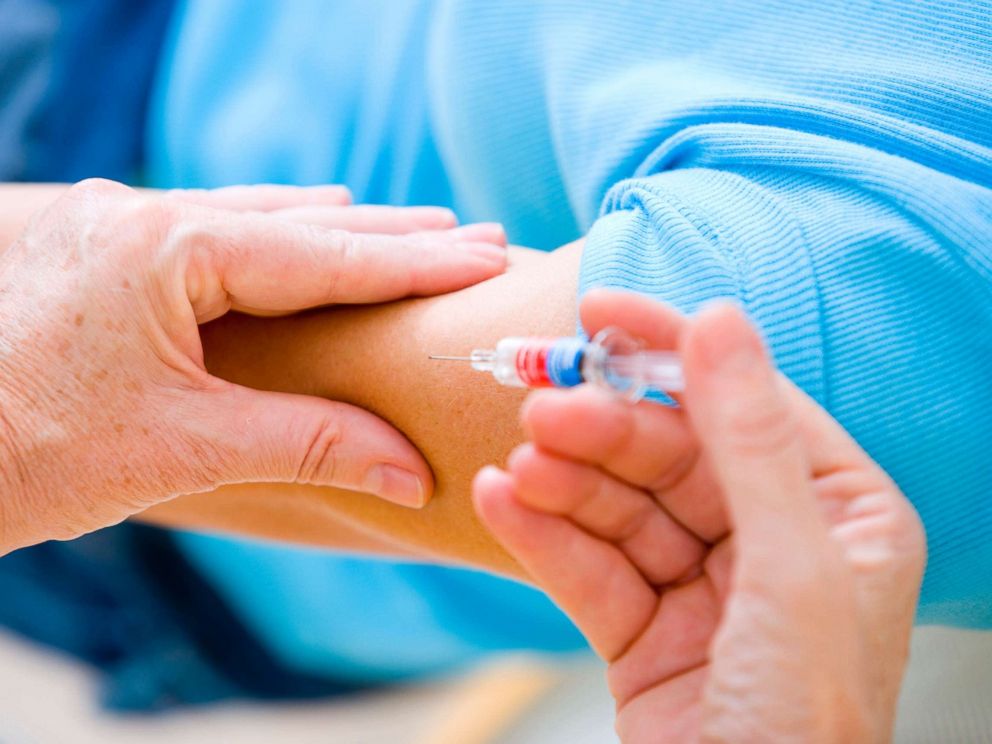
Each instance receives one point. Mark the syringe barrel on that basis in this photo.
(530, 362)
(612, 359)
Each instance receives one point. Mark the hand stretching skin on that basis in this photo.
(747, 571)
(105, 404)
(376, 357)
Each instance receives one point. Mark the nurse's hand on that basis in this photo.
(745, 568)
(105, 405)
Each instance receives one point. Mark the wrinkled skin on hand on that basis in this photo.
(748, 573)
(105, 405)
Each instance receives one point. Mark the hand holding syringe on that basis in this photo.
(613, 359)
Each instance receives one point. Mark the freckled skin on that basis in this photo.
(85, 364)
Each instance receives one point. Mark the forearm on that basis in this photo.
(459, 419)
(376, 358)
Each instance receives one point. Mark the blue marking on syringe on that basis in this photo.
(564, 363)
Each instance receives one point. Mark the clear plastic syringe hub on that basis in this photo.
(619, 361)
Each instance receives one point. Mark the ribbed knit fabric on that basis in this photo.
(832, 174)
(826, 163)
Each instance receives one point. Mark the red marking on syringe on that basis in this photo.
(532, 363)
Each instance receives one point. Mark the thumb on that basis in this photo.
(284, 438)
(751, 435)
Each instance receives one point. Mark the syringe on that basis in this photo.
(613, 359)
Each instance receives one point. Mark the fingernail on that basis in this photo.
(484, 232)
(394, 484)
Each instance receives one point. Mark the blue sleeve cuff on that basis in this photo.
(864, 304)
(695, 235)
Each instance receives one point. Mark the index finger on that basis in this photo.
(660, 326)
(255, 262)
(656, 324)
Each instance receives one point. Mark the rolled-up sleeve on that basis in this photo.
(870, 274)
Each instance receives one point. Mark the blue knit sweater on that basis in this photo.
(826, 163)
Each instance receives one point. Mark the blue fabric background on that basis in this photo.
(75, 78)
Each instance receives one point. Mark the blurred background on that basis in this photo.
(516, 699)
(139, 635)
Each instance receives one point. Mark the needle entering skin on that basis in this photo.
(444, 358)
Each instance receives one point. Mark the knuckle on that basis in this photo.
(912, 534)
(94, 199)
(616, 420)
(625, 526)
(194, 242)
(184, 235)
(86, 202)
(344, 249)
(620, 440)
(92, 188)
(756, 428)
(183, 195)
(669, 472)
(109, 219)
(345, 246)
(141, 218)
(320, 463)
(885, 534)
